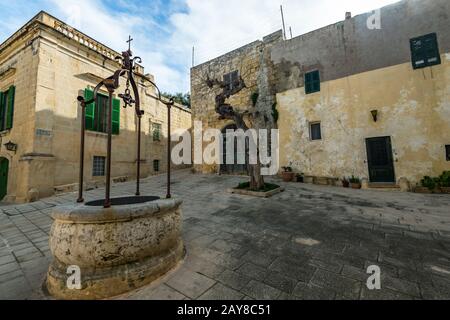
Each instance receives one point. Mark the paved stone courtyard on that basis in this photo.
(310, 242)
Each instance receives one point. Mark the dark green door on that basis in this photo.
(4, 166)
(232, 168)
(380, 160)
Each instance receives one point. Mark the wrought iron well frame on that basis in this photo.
(112, 83)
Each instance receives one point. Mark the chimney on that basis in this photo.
(348, 15)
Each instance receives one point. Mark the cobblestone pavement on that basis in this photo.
(310, 242)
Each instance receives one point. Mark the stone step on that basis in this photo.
(384, 186)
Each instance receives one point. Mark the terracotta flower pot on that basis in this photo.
(356, 185)
(288, 176)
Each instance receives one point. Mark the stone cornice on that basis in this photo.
(43, 19)
(9, 71)
(37, 156)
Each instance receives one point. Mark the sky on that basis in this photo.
(164, 31)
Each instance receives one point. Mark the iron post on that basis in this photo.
(138, 174)
(169, 149)
(110, 86)
(83, 129)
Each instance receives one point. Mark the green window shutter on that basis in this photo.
(116, 116)
(308, 77)
(312, 82)
(90, 109)
(316, 76)
(10, 107)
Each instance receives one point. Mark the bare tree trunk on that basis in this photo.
(254, 170)
(227, 111)
(256, 179)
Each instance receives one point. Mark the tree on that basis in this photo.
(181, 98)
(228, 112)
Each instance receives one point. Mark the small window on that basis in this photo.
(312, 82)
(156, 165)
(447, 152)
(231, 79)
(98, 169)
(425, 51)
(156, 130)
(316, 131)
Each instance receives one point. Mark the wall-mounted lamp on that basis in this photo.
(11, 146)
(374, 115)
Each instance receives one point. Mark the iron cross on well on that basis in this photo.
(129, 42)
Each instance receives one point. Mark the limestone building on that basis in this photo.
(351, 98)
(44, 66)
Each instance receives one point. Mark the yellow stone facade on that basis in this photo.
(50, 64)
(413, 109)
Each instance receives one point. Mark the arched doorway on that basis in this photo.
(4, 167)
(232, 169)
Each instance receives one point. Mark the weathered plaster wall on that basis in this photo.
(413, 109)
(360, 70)
(349, 47)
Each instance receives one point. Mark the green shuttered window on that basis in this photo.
(312, 82)
(425, 51)
(96, 113)
(157, 128)
(7, 108)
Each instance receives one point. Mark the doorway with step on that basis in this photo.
(4, 167)
(380, 160)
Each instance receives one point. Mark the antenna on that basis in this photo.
(193, 56)
(282, 19)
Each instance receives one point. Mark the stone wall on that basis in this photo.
(349, 47)
(254, 65)
(360, 70)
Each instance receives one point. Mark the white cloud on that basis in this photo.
(113, 28)
(218, 26)
(214, 27)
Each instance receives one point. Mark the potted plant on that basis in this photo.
(444, 181)
(355, 182)
(287, 174)
(432, 184)
(300, 177)
(345, 183)
(426, 185)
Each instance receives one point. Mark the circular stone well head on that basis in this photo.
(117, 249)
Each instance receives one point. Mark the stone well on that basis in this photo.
(117, 249)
